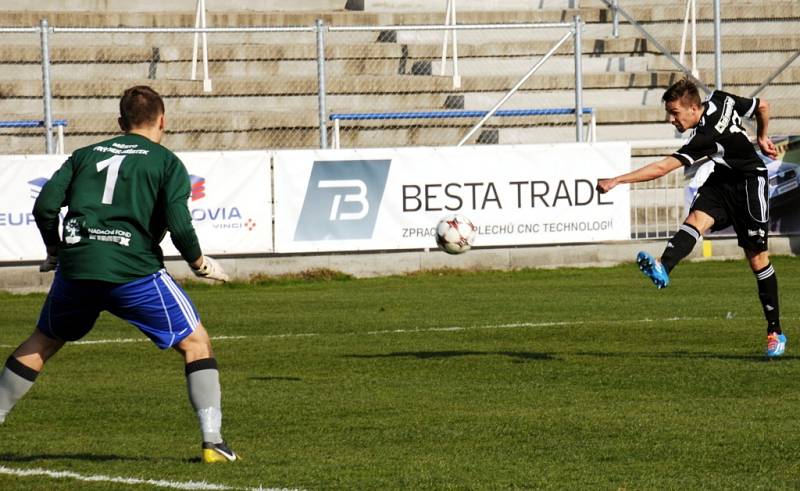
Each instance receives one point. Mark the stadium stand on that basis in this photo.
(265, 86)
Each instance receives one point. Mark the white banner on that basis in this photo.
(375, 199)
(22, 177)
(230, 203)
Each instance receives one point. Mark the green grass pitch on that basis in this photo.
(536, 379)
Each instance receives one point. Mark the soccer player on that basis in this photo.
(122, 195)
(736, 192)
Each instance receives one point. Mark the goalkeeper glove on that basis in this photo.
(50, 263)
(210, 269)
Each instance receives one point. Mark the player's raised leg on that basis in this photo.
(205, 394)
(677, 248)
(22, 368)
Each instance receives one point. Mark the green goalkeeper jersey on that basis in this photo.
(122, 195)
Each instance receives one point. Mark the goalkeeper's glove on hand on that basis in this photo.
(50, 263)
(211, 269)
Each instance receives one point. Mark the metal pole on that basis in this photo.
(446, 39)
(323, 113)
(615, 19)
(775, 74)
(578, 81)
(456, 74)
(206, 79)
(196, 40)
(47, 96)
(717, 46)
(514, 89)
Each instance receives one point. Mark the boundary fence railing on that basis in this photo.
(338, 117)
(59, 124)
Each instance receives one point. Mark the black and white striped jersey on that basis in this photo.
(721, 136)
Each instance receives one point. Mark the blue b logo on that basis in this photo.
(342, 200)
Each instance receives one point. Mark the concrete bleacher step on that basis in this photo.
(333, 68)
(156, 6)
(260, 12)
(430, 134)
(233, 18)
(380, 84)
(25, 48)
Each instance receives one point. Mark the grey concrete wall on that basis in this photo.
(23, 279)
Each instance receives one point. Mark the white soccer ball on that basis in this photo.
(455, 234)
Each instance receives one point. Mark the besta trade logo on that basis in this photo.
(342, 200)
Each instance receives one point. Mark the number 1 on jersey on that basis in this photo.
(113, 165)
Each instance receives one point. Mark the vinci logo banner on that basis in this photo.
(338, 200)
(230, 202)
(342, 200)
(22, 178)
(229, 205)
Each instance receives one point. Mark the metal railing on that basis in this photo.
(60, 124)
(338, 117)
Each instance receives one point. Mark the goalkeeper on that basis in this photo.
(122, 195)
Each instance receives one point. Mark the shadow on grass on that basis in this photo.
(272, 379)
(697, 355)
(86, 457)
(426, 355)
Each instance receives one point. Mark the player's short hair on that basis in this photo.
(683, 89)
(139, 106)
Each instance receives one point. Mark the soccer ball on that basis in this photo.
(455, 234)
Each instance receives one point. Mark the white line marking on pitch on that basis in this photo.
(412, 331)
(131, 481)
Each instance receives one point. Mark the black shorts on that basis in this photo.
(743, 204)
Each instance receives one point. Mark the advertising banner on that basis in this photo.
(23, 177)
(229, 204)
(380, 199)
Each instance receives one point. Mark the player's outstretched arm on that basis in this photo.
(651, 171)
(762, 122)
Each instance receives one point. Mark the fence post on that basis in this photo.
(323, 125)
(615, 19)
(717, 46)
(578, 80)
(47, 96)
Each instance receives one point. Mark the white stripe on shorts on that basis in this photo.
(181, 300)
(166, 311)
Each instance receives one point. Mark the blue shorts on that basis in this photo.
(155, 304)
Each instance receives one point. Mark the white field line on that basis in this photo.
(420, 330)
(130, 481)
(402, 331)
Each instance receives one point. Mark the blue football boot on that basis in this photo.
(776, 345)
(653, 269)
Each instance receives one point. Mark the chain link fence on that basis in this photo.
(266, 87)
